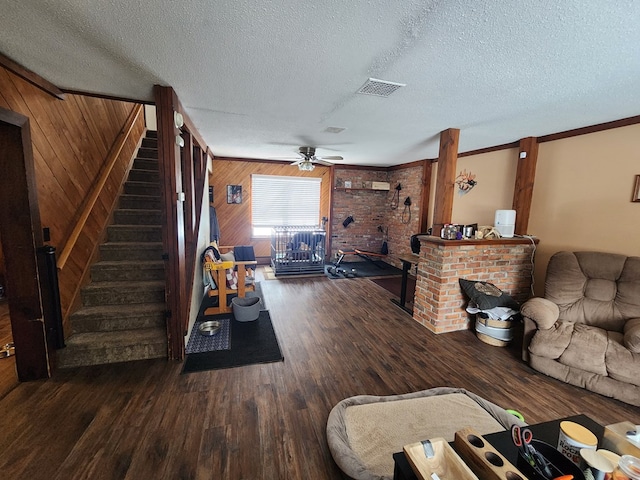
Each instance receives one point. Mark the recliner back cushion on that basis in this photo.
(594, 288)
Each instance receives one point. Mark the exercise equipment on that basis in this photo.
(335, 269)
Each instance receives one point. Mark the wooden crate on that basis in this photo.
(483, 458)
(445, 462)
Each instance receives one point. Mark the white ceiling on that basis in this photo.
(261, 78)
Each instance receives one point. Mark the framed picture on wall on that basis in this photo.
(234, 193)
(636, 190)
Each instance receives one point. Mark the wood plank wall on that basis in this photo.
(71, 139)
(235, 220)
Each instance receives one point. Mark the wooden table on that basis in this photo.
(407, 261)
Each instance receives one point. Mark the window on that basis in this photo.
(283, 201)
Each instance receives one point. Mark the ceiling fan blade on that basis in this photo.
(334, 157)
(322, 162)
(297, 162)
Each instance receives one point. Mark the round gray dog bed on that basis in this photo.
(363, 432)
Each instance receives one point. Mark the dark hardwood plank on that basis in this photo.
(339, 338)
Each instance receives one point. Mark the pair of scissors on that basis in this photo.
(522, 439)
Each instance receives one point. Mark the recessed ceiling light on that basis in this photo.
(379, 88)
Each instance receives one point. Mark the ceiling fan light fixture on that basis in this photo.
(306, 166)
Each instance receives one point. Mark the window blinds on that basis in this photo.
(282, 201)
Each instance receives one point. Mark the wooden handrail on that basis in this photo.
(117, 147)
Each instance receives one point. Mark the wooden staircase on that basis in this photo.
(122, 317)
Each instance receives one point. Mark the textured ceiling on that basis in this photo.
(261, 78)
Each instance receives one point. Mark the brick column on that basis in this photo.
(439, 302)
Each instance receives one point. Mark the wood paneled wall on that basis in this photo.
(234, 219)
(71, 140)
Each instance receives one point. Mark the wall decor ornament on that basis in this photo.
(234, 193)
(465, 182)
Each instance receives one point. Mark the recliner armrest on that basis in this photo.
(543, 312)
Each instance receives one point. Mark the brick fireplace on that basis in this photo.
(439, 303)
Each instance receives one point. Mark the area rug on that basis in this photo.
(363, 269)
(199, 343)
(251, 343)
(268, 273)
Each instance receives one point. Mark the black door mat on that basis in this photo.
(362, 269)
(251, 343)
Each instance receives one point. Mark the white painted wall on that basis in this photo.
(150, 117)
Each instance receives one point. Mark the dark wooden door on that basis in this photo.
(21, 234)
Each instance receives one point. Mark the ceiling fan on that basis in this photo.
(308, 159)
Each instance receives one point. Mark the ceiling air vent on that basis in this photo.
(380, 88)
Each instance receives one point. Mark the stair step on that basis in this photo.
(112, 347)
(141, 188)
(145, 152)
(146, 164)
(134, 233)
(139, 175)
(142, 202)
(121, 271)
(114, 251)
(137, 216)
(115, 318)
(123, 293)
(149, 142)
(123, 313)
(152, 134)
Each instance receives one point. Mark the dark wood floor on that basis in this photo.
(8, 375)
(145, 420)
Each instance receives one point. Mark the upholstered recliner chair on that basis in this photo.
(586, 331)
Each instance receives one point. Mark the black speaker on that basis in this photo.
(415, 243)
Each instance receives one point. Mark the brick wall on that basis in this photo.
(371, 209)
(400, 225)
(366, 206)
(439, 303)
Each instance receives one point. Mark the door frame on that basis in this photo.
(21, 234)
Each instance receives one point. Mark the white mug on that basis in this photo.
(597, 463)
